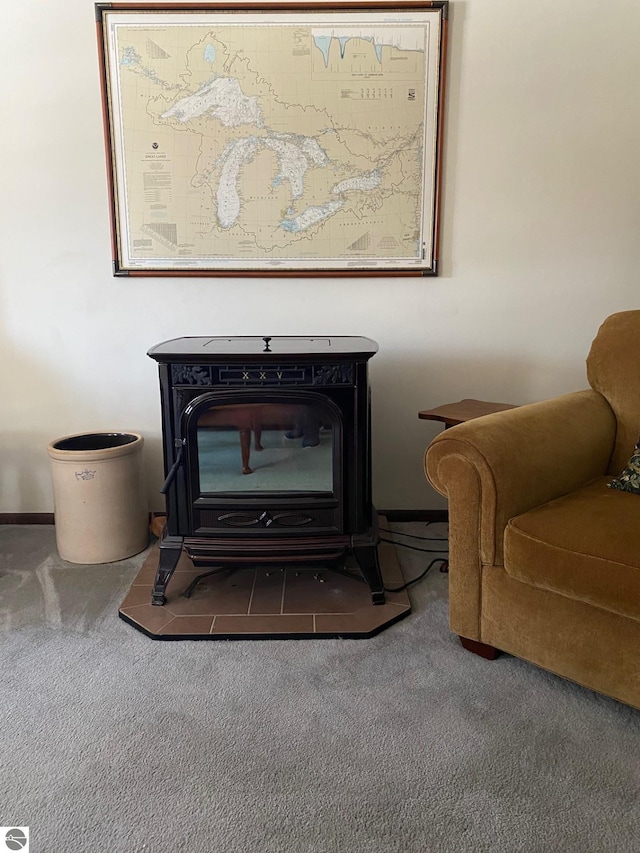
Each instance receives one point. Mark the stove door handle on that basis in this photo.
(174, 468)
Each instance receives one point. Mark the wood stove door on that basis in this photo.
(264, 463)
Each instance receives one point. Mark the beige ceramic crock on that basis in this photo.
(101, 512)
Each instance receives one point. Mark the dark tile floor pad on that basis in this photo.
(265, 603)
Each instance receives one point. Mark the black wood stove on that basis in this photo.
(267, 454)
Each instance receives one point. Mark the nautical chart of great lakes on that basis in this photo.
(270, 145)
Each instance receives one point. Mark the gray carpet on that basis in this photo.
(402, 743)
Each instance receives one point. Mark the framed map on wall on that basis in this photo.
(279, 138)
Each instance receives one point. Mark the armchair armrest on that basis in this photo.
(498, 466)
(524, 457)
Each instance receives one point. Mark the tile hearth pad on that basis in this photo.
(277, 602)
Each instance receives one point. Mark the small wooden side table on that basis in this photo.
(451, 414)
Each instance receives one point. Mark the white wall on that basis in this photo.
(540, 241)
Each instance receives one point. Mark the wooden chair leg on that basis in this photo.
(256, 426)
(482, 649)
(245, 450)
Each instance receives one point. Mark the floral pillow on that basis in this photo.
(629, 479)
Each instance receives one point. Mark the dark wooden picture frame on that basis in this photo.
(273, 138)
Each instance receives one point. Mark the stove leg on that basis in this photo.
(367, 557)
(169, 556)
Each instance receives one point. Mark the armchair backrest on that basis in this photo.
(613, 369)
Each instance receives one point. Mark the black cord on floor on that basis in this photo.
(414, 547)
(419, 578)
(414, 536)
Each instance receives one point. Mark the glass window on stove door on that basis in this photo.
(266, 447)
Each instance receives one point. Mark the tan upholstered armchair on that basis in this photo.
(544, 556)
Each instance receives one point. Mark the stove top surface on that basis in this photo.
(207, 346)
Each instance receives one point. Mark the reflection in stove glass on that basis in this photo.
(269, 447)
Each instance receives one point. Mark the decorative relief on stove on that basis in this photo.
(262, 374)
(182, 399)
(190, 374)
(292, 519)
(333, 374)
(252, 374)
(265, 519)
(239, 519)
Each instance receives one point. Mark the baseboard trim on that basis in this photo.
(26, 518)
(431, 515)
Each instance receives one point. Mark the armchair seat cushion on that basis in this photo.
(584, 545)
